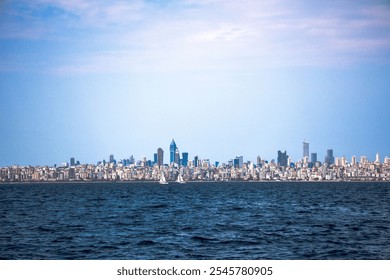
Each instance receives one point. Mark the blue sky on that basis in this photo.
(86, 79)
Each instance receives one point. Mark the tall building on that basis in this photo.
(72, 161)
(329, 159)
(305, 149)
(131, 160)
(313, 158)
(154, 158)
(258, 161)
(377, 158)
(160, 157)
(240, 160)
(184, 159)
(177, 157)
(353, 160)
(172, 151)
(282, 158)
(112, 158)
(196, 161)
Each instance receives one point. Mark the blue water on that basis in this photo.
(195, 221)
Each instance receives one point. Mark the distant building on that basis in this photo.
(329, 158)
(172, 151)
(282, 158)
(240, 160)
(155, 158)
(377, 158)
(185, 159)
(160, 157)
(177, 157)
(313, 158)
(259, 161)
(353, 160)
(112, 159)
(196, 158)
(72, 161)
(305, 149)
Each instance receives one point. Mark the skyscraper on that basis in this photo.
(305, 149)
(177, 157)
(155, 158)
(72, 161)
(282, 158)
(172, 151)
(184, 159)
(329, 159)
(313, 158)
(377, 158)
(240, 161)
(160, 157)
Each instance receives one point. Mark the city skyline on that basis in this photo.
(181, 159)
(87, 79)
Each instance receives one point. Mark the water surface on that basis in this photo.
(195, 221)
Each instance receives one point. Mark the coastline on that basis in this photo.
(191, 181)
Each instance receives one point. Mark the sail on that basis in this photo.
(180, 179)
(162, 179)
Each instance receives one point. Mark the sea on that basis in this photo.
(195, 221)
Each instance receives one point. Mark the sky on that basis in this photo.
(90, 78)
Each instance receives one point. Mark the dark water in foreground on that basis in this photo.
(195, 221)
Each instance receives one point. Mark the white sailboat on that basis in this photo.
(180, 179)
(162, 179)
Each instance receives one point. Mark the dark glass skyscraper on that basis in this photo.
(282, 158)
(329, 159)
(160, 156)
(172, 151)
(184, 159)
(313, 158)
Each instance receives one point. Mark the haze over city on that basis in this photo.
(87, 79)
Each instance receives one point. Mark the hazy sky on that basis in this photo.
(86, 79)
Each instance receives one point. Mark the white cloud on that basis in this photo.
(211, 34)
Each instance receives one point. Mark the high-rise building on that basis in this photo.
(112, 158)
(184, 159)
(377, 158)
(155, 158)
(240, 160)
(353, 160)
(329, 159)
(177, 157)
(172, 151)
(313, 158)
(160, 157)
(196, 161)
(131, 160)
(259, 161)
(305, 149)
(72, 161)
(282, 158)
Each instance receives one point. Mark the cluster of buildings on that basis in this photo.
(196, 169)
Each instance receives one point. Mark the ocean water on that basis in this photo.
(234, 220)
